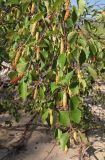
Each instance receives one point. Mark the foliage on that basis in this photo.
(55, 51)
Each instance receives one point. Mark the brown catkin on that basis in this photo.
(67, 9)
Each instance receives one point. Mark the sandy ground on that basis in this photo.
(41, 145)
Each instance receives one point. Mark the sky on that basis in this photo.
(91, 2)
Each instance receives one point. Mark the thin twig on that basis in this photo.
(50, 152)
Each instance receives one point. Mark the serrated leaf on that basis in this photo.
(44, 54)
(12, 75)
(83, 83)
(53, 87)
(37, 17)
(64, 118)
(45, 115)
(72, 36)
(75, 115)
(82, 42)
(59, 134)
(68, 77)
(74, 15)
(64, 139)
(23, 90)
(92, 47)
(82, 57)
(74, 102)
(74, 87)
(41, 93)
(61, 60)
(57, 4)
(92, 72)
(25, 1)
(13, 2)
(21, 66)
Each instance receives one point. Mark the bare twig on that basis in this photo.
(50, 152)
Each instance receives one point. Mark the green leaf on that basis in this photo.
(74, 102)
(25, 1)
(68, 77)
(81, 6)
(21, 66)
(72, 36)
(59, 134)
(37, 17)
(57, 4)
(45, 115)
(29, 78)
(13, 2)
(42, 64)
(92, 47)
(23, 90)
(82, 42)
(83, 83)
(82, 57)
(41, 93)
(44, 54)
(74, 87)
(74, 15)
(53, 87)
(64, 118)
(64, 140)
(13, 75)
(75, 115)
(92, 72)
(61, 60)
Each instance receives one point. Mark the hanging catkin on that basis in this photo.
(18, 55)
(67, 9)
(32, 8)
(65, 100)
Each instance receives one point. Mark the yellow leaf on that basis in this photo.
(66, 149)
(75, 136)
